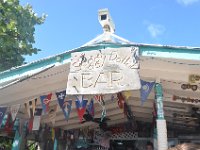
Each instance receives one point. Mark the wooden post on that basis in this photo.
(161, 122)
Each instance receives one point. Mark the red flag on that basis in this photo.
(9, 123)
(30, 124)
(45, 100)
(99, 98)
(121, 100)
(81, 107)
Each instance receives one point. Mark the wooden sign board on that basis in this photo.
(104, 71)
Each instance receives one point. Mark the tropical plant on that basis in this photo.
(17, 27)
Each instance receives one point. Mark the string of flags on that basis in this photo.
(8, 114)
(66, 106)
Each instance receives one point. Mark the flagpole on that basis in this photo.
(162, 142)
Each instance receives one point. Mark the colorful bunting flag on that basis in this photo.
(9, 123)
(2, 113)
(30, 107)
(37, 118)
(81, 104)
(57, 135)
(45, 100)
(52, 113)
(127, 94)
(103, 114)
(121, 100)
(14, 110)
(30, 124)
(61, 97)
(145, 90)
(17, 141)
(100, 100)
(52, 134)
(128, 112)
(65, 105)
(90, 107)
(112, 97)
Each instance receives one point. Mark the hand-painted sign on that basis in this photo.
(104, 71)
(193, 78)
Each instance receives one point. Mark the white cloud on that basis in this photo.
(187, 2)
(156, 29)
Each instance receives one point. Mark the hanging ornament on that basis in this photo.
(121, 100)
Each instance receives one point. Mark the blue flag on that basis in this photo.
(45, 100)
(65, 105)
(16, 142)
(145, 90)
(81, 104)
(61, 97)
(2, 113)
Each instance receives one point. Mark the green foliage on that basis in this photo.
(17, 27)
(5, 143)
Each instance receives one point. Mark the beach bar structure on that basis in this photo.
(174, 97)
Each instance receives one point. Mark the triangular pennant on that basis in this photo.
(125, 109)
(103, 114)
(30, 107)
(128, 112)
(112, 97)
(36, 119)
(65, 105)
(100, 100)
(127, 94)
(9, 123)
(81, 106)
(145, 90)
(45, 100)
(52, 113)
(14, 110)
(121, 100)
(61, 97)
(53, 133)
(2, 113)
(17, 141)
(90, 107)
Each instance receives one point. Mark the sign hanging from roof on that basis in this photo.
(104, 71)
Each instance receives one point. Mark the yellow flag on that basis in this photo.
(127, 94)
(52, 133)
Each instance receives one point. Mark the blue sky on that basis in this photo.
(72, 23)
